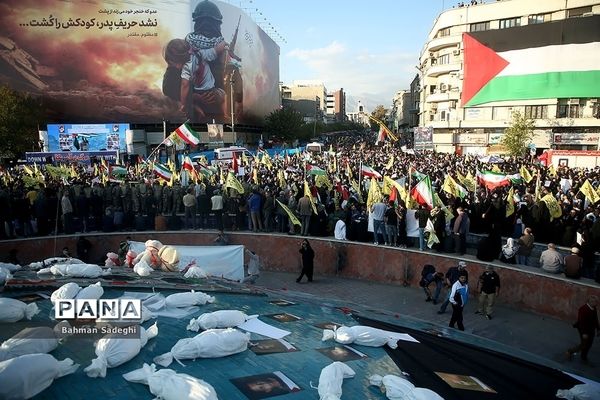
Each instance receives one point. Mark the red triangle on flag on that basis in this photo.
(481, 65)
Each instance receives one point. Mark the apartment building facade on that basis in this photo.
(336, 106)
(483, 62)
(309, 98)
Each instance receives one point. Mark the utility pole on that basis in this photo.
(231, 82)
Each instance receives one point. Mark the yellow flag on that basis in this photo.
(388, 183)
(233, 183)
(310, 196)
(553, 206)
(495, 168)
(323, 180)
(390, 163)
(374, 195)
(348, 170)
(281, 178)
(590, 193)
(537, 187)
(551, 170)
(356, 188)
(525, 174)
(510, 202)
(470, 183)
(244, 159)
(255, 175)
(450, 186)
(289, 213)
(28, 170)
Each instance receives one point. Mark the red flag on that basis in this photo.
(394, 194)
(235, 164)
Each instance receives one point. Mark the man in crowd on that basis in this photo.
(451, 277)
(489, 289)
(460, 230)
(573, 264)
(587, 325)
(551, 260)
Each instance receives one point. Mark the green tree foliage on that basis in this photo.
(379, 113)
(20, 116)
(518, 135)
(285, 122)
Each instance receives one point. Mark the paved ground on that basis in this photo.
(545, 337)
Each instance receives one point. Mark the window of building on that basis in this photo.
(578, 12)
(570, 111)
(539, 19)
(510, 22)
(443, 32)
(432, 89)
(480, 26)
(443, 59)
(536, 112)
(596, 110)
(443, 116)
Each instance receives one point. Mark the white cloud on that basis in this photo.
(374, 75)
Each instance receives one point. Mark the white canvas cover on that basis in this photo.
(366, 336)
(25, 376)
(112, 352)
(166, 384)
(331, 380)
(213, 343)
(218, 261)
(12, 310)
(188, 299)
(66, 291)
(94, 291)
(217, 319)
(40, 339)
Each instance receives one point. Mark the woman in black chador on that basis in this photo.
(308, 256)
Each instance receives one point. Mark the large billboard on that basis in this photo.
(87, 137)
(140, 61)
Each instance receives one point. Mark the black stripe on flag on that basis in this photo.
(568, 31)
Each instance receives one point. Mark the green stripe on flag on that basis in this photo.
(572, 84)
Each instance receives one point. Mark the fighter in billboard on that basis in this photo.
(202, 60)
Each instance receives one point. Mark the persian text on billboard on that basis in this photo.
(140, 61)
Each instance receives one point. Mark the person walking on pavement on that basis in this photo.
(308, 256)
(460, 230)
(587, 325)
(451, 279)
(429, 276)
(459, 296)
(489, 288)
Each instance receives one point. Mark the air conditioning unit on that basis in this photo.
(452, 104)
(443, 87)
(587, 14)
(573, 101)
(456, 52)
(431, 54)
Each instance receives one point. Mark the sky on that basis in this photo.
(369, 48)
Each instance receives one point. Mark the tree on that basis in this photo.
(285, 122)
(518, 135)
(20, 116)
(379, 113)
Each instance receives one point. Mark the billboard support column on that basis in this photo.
(231, 82)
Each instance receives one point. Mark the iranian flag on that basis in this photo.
(162, 171)
(187, 164)
(492, 180)
(558, 59)
(368, 171)
(423, 193)
(314, 170)
(187, 134)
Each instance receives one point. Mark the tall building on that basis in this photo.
(336, 106)
(481, 63)
(400, 111)
(359, 115)
(307, 97)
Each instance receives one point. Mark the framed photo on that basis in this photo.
(272, 346)
(465, 382)
(262, 386)
(328, 325)
(284, 317)
(282, 303)
(342, 353)
(563, 162)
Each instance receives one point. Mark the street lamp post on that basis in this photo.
(231, 82)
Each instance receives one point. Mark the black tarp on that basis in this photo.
(511, 377)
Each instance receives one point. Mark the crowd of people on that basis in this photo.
(282, 194)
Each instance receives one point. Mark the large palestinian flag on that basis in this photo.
(558, 59)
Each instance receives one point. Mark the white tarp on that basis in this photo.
(255, 325)
(220, 261)
(412, 224)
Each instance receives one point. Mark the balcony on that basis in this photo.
(437, 97)
(442, 69)
(444, 41)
